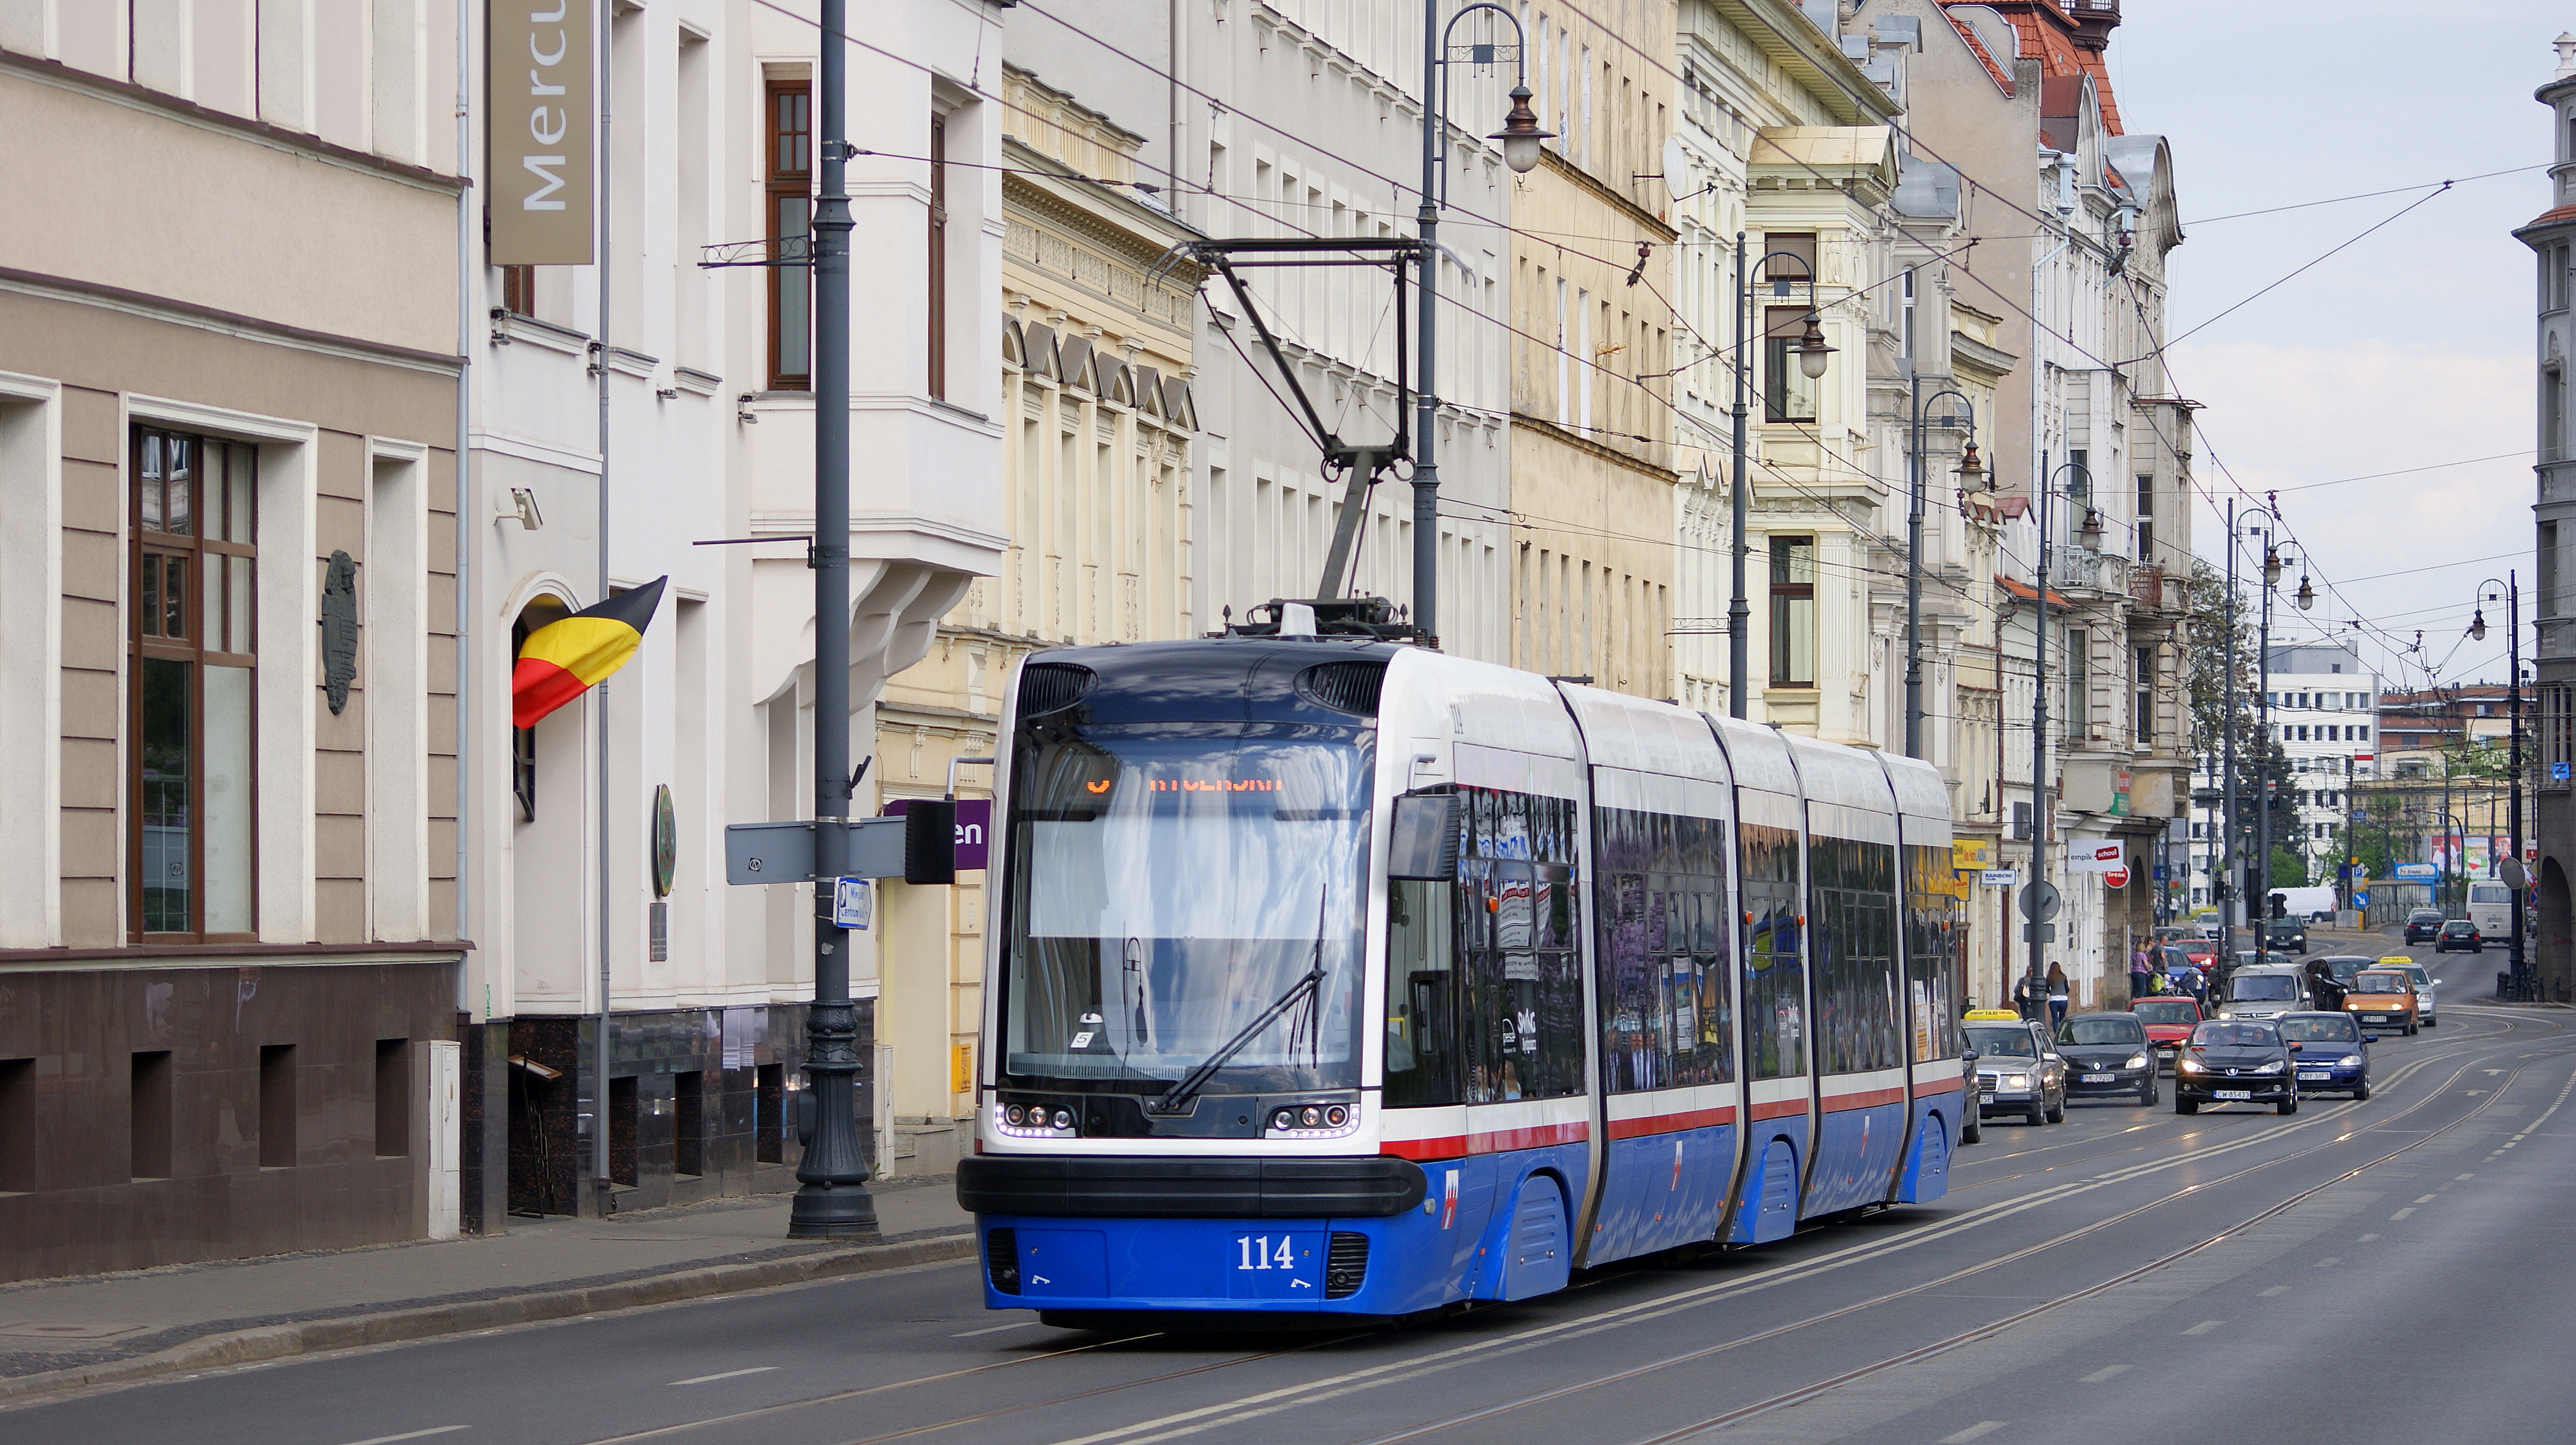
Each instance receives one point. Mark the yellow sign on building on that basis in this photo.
(1967, 854)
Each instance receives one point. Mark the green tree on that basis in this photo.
(2289, 869)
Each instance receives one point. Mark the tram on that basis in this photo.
(1340, 977)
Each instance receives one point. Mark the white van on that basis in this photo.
(2263, 991)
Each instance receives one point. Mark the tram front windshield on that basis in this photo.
(1170, 884)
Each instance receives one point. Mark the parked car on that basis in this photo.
(2169, 1023)
(2019, 1071)
(2383, 1000)
(2107, 1054)
(2288, 935)
(2424, 983)
(2423, 924)
(2236, 1061)
(2459, 936)
(2261, 991)
(2334, 1054)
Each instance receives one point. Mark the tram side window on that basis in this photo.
(1667, 1018)
(1775, 980)
(1935, 971)
(1852, 938)
(1521, 1013)
(1422, 995)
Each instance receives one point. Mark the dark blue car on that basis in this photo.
(2333, 1056)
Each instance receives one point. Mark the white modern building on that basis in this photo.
(653, 417)
(2324, 713)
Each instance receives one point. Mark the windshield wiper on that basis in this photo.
(1178, 1097)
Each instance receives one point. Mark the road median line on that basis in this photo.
(275, 1342)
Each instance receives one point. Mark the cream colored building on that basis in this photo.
(1098, 422)
(1591, 442)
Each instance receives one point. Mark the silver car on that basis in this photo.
(2423, 991)
(2266, 990)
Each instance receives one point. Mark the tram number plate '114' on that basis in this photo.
(1275, 1266)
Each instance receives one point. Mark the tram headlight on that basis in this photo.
(1337, 1116)
(1015, 1115)
(1310, 1117)
(1284, 1119)
(1063, 1118)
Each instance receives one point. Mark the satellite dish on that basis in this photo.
(1677, 168)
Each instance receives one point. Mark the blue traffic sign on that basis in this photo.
(2558, 771)
(2361, 900)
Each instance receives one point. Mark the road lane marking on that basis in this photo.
(413, 1435)
(1978, 1431)
(2329, 1261)
(2276, 1289)
(2401, 1214)
(996, 1329)
(2427, 1199)
(2365, 1239)
(727, 1375)
(2104, 1373)
(2204, 1327)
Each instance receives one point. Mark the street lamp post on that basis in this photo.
(1521, 138)
(2224, 876)
(1970, 472)
(832, 1199)
(2041, 810)
(1812, 354)
(2524, 985)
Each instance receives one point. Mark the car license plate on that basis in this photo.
(1986, 1096)
(2375, 1018)
(2097, 1078)
(2314, 1076)
(2233, 1094)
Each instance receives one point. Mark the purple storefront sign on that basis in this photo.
(974, 824)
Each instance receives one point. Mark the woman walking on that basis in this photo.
(2056, 996)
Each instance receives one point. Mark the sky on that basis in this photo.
(2409, 351)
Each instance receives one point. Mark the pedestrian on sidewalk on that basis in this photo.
(2025, 998)
(2139, 982)
(2056, 996)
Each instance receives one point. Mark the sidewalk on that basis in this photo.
(66, 1333)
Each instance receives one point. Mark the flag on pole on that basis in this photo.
(564, 659)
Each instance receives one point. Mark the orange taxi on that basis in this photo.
(2382, 1000)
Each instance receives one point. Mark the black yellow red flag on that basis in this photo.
(563, 659)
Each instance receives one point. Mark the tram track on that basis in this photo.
(1635, 1312)
(1397, 1372)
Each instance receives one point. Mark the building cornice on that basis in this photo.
(229, 323)
(1568, 170)
(1582, 443)
(187, 112)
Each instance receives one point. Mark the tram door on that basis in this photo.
(1522, 1032)
(1779, 1091)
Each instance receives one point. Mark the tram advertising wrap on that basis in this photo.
(1344, 978)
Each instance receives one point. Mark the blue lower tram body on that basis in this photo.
(1489, 1227)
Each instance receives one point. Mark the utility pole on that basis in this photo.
(832, 1200)
(1739, 612)
(1426, 471)
(2040, 808)
(1969, 471)
(2225, 874)
(2524, 985)
(2262, 863)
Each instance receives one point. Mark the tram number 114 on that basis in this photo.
(1257, 1252)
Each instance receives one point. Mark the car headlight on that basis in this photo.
(2227, 1013)
(2192, 1066)
(2349, 1061)
(2016, 1081)
(2273, 1067)
(2137, 1061)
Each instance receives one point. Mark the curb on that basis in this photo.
(274, 1342)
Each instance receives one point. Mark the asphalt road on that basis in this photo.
(2376, 1271)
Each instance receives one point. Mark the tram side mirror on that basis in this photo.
(1422, 845)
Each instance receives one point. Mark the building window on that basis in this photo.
(193, 612)
(519, 290)
(1793, 612)
(937, 341)
(1787, 394)
(791, 212)
(2146, 694)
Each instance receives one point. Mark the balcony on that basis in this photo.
(2084, 567)
(2154, 589)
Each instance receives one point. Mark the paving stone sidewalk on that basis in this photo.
(68, 1333)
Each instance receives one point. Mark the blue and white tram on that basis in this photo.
(1343, 977)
